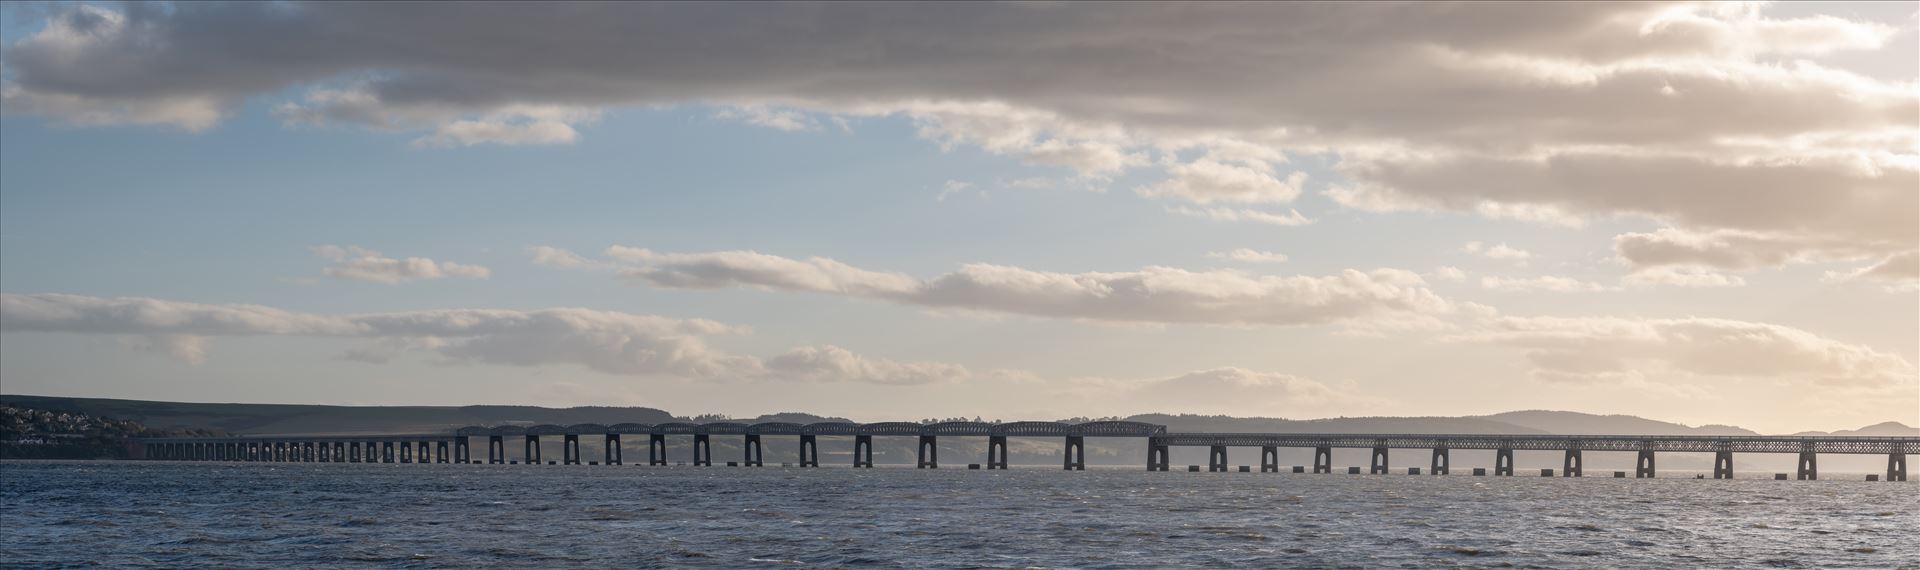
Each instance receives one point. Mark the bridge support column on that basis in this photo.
(406, 452)
(425, 455)
(1503, 462)
(929, 453)
(1570, 467)
(386, 452)
(570, 449)
(1441, 461)
(1076, 453)
(702, 450)
(809, 451)
(1269, 459)
(996, 452)
(754, 453)
(1323, 459)
(1723, 465)
(1643, 467)
(863, 451)
(611, 448)
(463, 450)
(1897, 466)
(1379, 461)
(1157, 456)
(1809, 466)
(496, 450)
(353, 452)
(1217, 459)
(656, 449)
(530, 450)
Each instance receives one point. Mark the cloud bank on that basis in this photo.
(1150, 295)
(604, 341)
(1705, 117)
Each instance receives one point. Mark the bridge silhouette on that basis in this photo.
(455, 447)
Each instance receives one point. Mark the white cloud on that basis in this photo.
(355, 263)
(1898, 273)
(834, 363)
(1449, 273)
(604, 341)
(1552, 283)
(1291, 218)
(1596, 349)
(1682, 277)
(556, 257)
(1245, 255)
(1735, 250)
(1149, 295)
(1206, 181)
(1499, 251)
(773, 118)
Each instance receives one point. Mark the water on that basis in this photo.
(154, 514)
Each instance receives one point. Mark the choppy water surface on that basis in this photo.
(442, 516)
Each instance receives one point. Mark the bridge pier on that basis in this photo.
(702, 450)
(1723, 465)
(496, 450)
(1441, 461)
(1217, 459)
(353, 452)
(406, 452)
(656, 449)
(1897, 466)
(1076, 453)
(610, 447)
(929, 453)
(753, 453)
(809, 451)
(463, 450)
(863, 451)
(426, 452)
(1503, 462)
(570, 449)
(1379, 461)
(1571, 466)
(531, 450)
(1269, 459)
(386, 452)
(1643, 467)
(996, 452)
(1323, 459)
(1157, 456)
(1809, 466)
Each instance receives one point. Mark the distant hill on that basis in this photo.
(314, 419)
(1579, 423)
(1882, 429)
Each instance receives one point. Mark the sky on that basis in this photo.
(1702, 213)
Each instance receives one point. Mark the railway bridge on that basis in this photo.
(455, 446)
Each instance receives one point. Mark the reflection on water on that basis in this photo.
(442, 516)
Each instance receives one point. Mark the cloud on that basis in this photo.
(1501, 251)
(834, 363)
(1245, 255)
(1449, 273)
(1898, 273)
(1682, 277)
(1735, 250)
(1206, 181)
(1149, 295)
(1552, 283)
(1291, 218)
(1703, 116)
(604, 341)
(556, 257)
(1605, 349)
(778, 119)
(355, 263)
